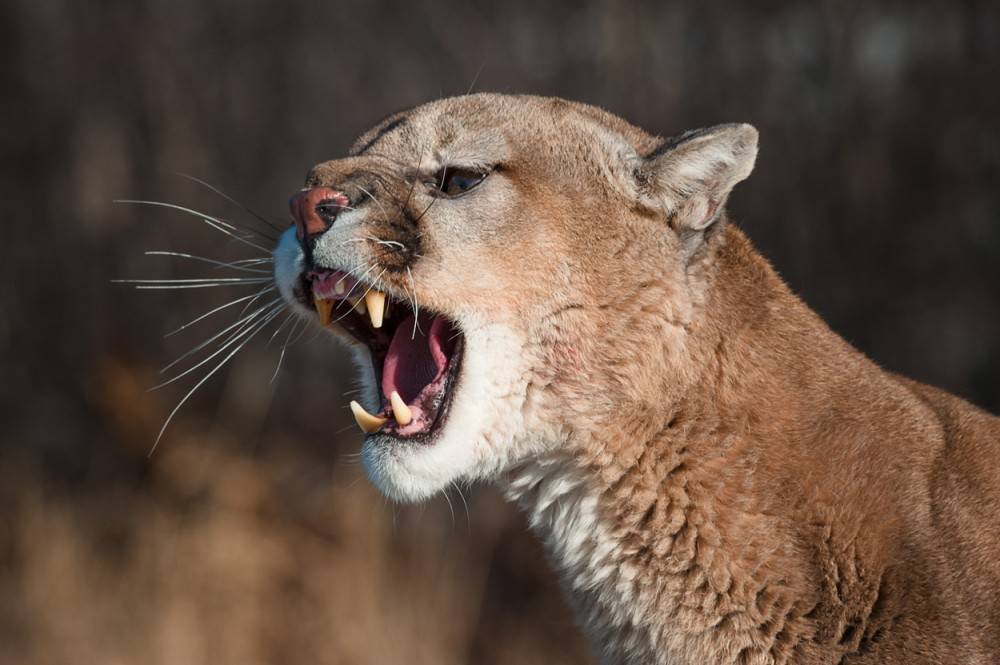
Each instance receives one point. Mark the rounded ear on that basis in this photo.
(691, 176)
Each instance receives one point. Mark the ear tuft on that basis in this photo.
(692, 175)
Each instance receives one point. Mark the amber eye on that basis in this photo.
(455, 181)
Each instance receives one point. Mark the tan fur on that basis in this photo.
(718, 475)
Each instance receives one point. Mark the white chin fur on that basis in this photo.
(483, 432)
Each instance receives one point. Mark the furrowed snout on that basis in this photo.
(314, 210)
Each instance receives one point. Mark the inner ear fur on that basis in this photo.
(690, 176)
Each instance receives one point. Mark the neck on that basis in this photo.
(637, 513)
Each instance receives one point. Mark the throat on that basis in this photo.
(563, 507)
(569, 512)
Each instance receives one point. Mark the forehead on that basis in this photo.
(473, 125)
(494, 127)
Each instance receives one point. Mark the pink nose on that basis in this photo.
(315, 210)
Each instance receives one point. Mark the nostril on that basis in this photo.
(315, 210)
(328, 209)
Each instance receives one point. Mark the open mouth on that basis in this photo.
(415, 354)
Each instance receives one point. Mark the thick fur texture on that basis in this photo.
(718, 476)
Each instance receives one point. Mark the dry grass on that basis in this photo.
(216, 556)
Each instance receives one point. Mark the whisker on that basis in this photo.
(147, 287)
(276, 332)
(249, 231)
(195, 388)
(468, 518)
(416, 307)
(372, 285)
(195, 280)
(429, 206)
(219, 309)
(253, 262)
(248, 317)
(193, 283)
(451, 508)
(234, 265)
(413, 184)
(243, 207)
(338, 319)
(356, 282)
(250, 304)
(372, 197)
(247, 322)
(374, 282)
(243, 234)
(476, 77)
(387, 243)
(263, 320)
(284, 347)
(217, 224)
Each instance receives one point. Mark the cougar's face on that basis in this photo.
(444, 250)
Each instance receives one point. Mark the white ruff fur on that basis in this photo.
(595, 570)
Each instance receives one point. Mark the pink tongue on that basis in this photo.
(413, 361)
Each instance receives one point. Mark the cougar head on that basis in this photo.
(514, 274)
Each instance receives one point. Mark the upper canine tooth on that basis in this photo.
(400, 411)
(375, 300)
(340, 287)
(324, 308)
(366, 421)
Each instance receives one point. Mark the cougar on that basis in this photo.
(542, 295)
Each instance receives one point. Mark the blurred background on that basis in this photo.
(251, 535)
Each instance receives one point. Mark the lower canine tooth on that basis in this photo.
(366, 421)
(376, 307)
(400, 411)
(324, 308)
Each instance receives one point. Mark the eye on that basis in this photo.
(456, 181)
